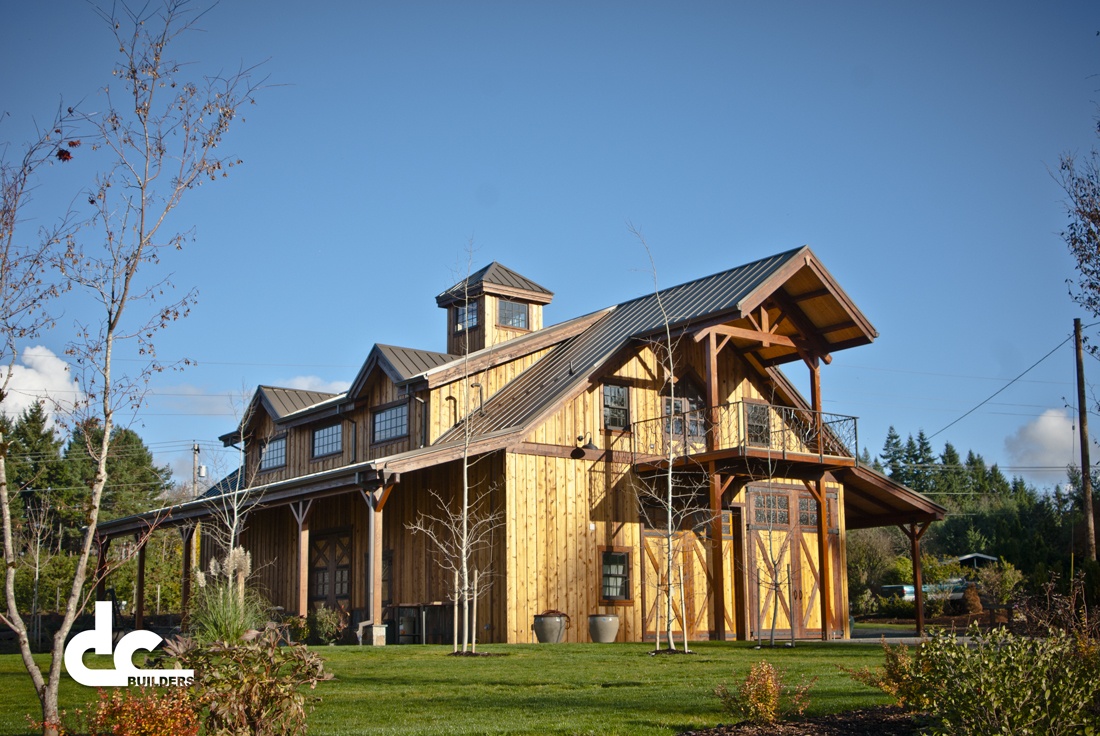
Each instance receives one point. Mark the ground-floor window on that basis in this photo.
(615, 576)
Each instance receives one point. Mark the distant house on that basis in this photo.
(566, 422)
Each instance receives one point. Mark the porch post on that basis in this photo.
(187, 535)
(717, 563)
(139, 585)
(717, 567)
(915, 531)
(373, 625)
(102, 544)
(301, 510)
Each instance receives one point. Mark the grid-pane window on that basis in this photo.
(391, 423)
(273, 454)
(771, 509)
(512, 314)
(328, 440)
(684, 409)
(807, 512)
(615, 583)
(758, 424)
(616, 407)
(466, 316)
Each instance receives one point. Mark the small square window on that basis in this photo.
(328, 440)
(616, 407)
(273, 454)
(391, 423)
(615, 576)
(512, 314)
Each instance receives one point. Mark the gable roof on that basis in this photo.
(723, 296)
(278, 403)
(495, 279)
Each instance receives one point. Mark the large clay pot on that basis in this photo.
(549, 629)
(603, 627)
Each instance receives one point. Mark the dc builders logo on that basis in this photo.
(124, 673)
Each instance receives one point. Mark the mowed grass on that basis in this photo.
(568, 689)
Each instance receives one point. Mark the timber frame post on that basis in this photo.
(915, 530)
(187, 536)
(103, 545)
(301, 510)
(717, 563)
(373, 625)
(139, 584)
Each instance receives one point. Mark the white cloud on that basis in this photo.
(316, 383)
(41, 376)
(1050, 441)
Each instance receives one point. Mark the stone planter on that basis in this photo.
(603, 627)
(550, 629)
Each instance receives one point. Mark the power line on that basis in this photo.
(1002, 388)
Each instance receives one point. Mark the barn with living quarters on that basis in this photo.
(563, 433)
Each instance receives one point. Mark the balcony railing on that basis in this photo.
(748, 427)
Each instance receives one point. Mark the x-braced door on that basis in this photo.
(330, 571)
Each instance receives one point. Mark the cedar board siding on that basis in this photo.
(272, 538)
(446, 404)
(417, 574)
(560, 512)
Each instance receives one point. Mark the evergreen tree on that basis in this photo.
(134, 483)
(893, 456)
(952, 481)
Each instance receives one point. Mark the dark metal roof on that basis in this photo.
(571, 364)
(284, 401)
(409, 362)
(494, 274)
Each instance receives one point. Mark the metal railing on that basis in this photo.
(745, 425)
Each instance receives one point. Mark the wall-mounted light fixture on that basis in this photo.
(578, 452)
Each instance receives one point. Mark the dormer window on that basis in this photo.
(512, 314)
(273, 454)
(328, 440)
(466, 316)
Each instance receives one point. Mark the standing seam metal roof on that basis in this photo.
(573, 362)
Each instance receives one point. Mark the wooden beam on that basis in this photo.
(808, 332)
(824, 566)
(765, 338)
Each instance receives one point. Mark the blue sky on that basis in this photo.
(910, 145)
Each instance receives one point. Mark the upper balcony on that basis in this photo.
(746, 429)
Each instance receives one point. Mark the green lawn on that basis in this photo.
(531, 689)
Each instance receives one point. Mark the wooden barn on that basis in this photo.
(569, 435)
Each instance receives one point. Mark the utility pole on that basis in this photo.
(1083, 424)
(195, 470)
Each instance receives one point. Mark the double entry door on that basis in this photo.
(784, 580)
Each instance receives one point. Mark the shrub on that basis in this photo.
(143, 712)
(999, 684)
(1000, 581)
(972, 602)
(896, 607)
(327, 624)
(224, 608)
(254, 687)
(760, 697)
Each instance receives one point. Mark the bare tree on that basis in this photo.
(462, 536)
(162, 132)
(665, 501)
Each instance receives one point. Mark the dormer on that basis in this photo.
(491, 306)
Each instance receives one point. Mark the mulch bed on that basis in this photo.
(886, 720)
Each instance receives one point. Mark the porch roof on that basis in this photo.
(871, 499)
